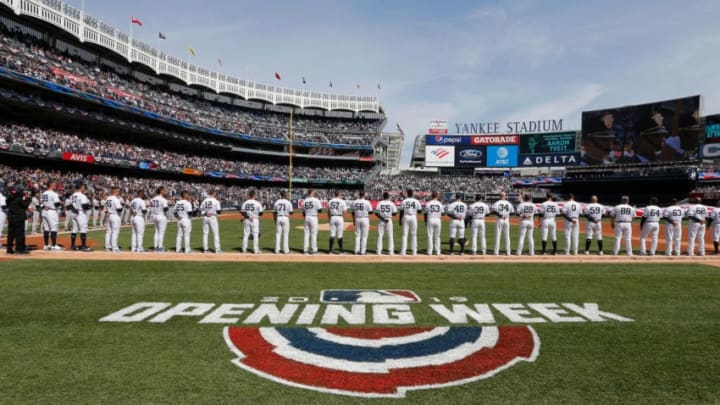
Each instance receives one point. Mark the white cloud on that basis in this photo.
(565, 107)
(487, 13)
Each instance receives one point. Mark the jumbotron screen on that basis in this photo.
(662, 131)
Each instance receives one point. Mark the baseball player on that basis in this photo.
(96, 210)
(113, 208)
(478, 211)
(502, 209)
(385, 211)
(311, 208)
(138, 210)
(103, 201)
(715, 223)
(210, 209)
(158, 210)
(457, 211)
(408, 217)
(526, 211)
(549, 210)
(433, 221)
(571, 212)
(361, 210)
(35, 217)
(623, 214)
(673, 216)
(67, 209)
(182, 211)
(251, 211)
(126, 211)
(650, 226)
(80, 208)
(3, 215)
(50, 202)
(283, 209)
(336, 210)
(696, 215)
(593, 228)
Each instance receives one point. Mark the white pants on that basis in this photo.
(160, 222)
(651, 229)
(362, 230)
(572, 236)
(673, 237)
(457, 228)
(337, 226)
(548, 227)
(3, 218)
(502, 227)
(433, 235)
(282, 235)
(68, 219)
(138, 232)
(95, 216)
(50, 220)
(251, 226)
(526, 230)
(310, 234)
(112, 231)
(623, 230)
(102, 217)
(477, 227)
(79, 223)
(35, 222)
(184, 228)
(210, 224)
(716, 232)
(593, 230)
(385, 227)
(409, 228)
(696, 230)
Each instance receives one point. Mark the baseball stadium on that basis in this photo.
(173, 232)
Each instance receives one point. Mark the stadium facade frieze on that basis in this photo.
(509, 127)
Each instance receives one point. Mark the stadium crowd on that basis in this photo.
(31, 56)
(424, 184)
(114, 153)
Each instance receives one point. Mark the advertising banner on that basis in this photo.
(440, 156)
(549, 159)
(502, 156)
(470, 156)
(78, 157)
(473, 140)
(547, 143)
(663, 131)
(438, 127)
(712, 128)
(192, 172)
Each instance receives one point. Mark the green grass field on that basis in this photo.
(55, 350)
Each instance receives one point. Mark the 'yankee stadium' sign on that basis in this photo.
(511, 127)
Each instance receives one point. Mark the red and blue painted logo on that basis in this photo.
(380, 362)
(440, 153)
(368, 297)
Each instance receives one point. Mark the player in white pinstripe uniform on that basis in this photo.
(282, 210)
(408, 217)
(336, 218)
(673, 216)
(593, 228)
(478, 211)
(571, 213)
(502, 209)
(549, 210)
(650, 226)
(526, 211)
(251, 210)
(385, 211)
(457, 210)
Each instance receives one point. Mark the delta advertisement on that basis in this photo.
(549, 149)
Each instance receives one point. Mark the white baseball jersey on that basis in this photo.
(594, 211)
(623, 213)
(549, 209)
(698, 211)
(158, 205)
(210, 207)
(337, 207)
(410, 206)
(572, 209)
(674, 213)
(458, 210)
(503, 208)
(715, 215)
(386, 209)
(137, 206)
(3, 202)
(526, 210)
(434, 209)
(49, 200)
(283, 208)
(79, 199)
(182, 209)
(652, 213)
(361, 208)
(479, 210)
(252, 208)
(312, 206)
(113, 205)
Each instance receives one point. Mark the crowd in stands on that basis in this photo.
(30, 56)
(424, 184)
(115, 153)
(630, 170)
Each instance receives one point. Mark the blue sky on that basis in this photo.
(457, 60)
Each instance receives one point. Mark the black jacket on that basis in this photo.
(17, 206)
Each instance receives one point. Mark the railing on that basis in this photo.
(88, 29)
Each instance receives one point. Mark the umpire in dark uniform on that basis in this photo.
(18, 204)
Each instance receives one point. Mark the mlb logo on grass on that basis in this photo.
(368, 297)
